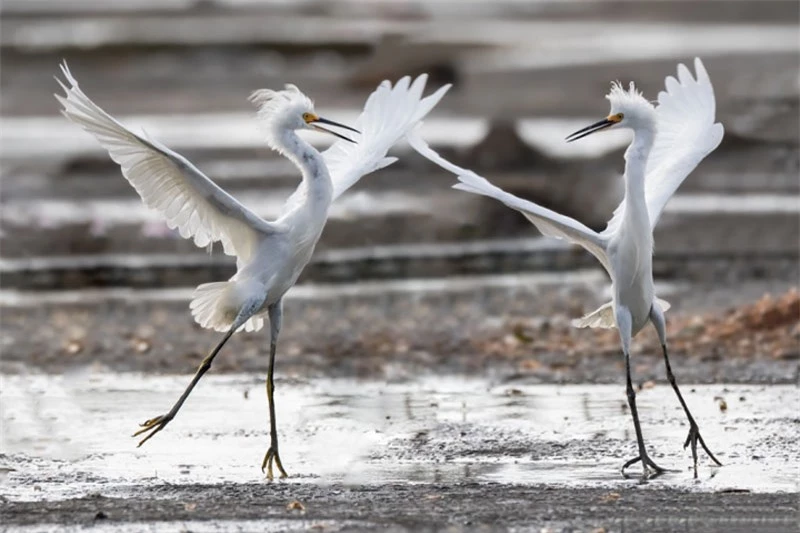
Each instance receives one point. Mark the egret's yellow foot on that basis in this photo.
(153, 425)
(270, 457)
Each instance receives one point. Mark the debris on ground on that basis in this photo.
(736, 341)
(769, 327)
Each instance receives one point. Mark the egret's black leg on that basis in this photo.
(272, 455)
(623, 317)
(694, 431)
(657, 317)
(646, 461)
(154, 425)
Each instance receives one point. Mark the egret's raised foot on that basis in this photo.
(153, 425)
(270, 457)
(647, 465)
(692, 439)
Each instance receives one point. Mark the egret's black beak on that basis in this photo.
(594, 128)
(320, 120)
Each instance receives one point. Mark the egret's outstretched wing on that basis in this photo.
(167, 181)
(686, 134)
(548, 222)
(389, 114)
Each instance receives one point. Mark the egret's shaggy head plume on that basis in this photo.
(282, 109)
(634, 108)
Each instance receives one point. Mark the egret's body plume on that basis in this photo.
(668, 143)
(270, 255)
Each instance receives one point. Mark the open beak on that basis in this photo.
(315, 124)
(594, 128)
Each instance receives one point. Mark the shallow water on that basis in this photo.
(69, 436)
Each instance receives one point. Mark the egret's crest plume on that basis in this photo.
(627, 101)
(271, 103)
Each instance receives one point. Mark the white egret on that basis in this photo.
(270, 255)
(668, 143)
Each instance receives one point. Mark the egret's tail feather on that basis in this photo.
(600, 318)
(603, 317)
(214, 306)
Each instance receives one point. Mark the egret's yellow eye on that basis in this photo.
(616, 118)
(310, 117)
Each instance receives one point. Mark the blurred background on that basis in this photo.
(406, 265)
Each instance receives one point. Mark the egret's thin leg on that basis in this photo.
(624, 324)
(657, 318)
(272, 455)
(154, 425)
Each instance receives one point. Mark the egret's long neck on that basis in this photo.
(636, 159)
(316, 179)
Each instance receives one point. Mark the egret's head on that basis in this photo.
(629, 109)
(290, 109)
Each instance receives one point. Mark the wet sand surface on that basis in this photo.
(421, 454)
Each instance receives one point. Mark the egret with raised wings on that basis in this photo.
(270, 255)
(668, 143)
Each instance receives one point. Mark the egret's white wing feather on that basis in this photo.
(549, 222)
(389, 114)
(686, 134)
(167, 181)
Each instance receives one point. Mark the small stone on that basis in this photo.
(73, 347)
(141, 345)
(723, 405)
(647, 385)
(610, 497)
(530, 365)
(296, 506)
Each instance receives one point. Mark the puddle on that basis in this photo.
(68, 436)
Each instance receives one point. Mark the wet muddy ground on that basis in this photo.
(414, 455)
(419, 443)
